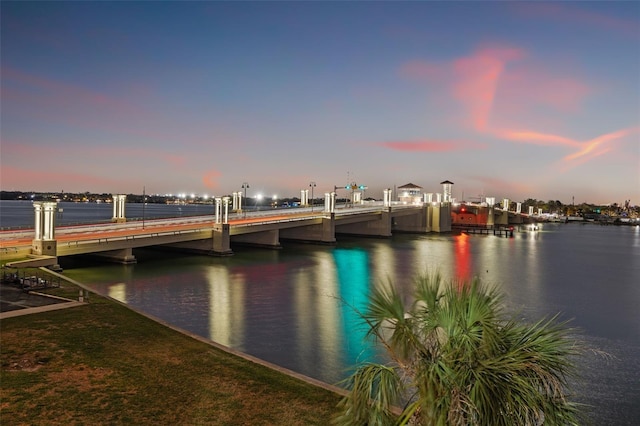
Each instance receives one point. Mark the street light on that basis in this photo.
(245, 185)
(312, 185)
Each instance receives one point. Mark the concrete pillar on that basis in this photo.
(119, 202)
(438, 198)
(304, 197)
(48, 222)
(218, 209)
(44, 242)
(386, 201)
(530, 210)
(505, 204)
(235, 201)
(225, 201)
(330, 202)
(124, 256)
(221, 240)
(37, 207)
(357, 197)
(518, 208)
(491, 215)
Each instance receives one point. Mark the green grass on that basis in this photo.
(102, 363)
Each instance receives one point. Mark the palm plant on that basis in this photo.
(457, 359)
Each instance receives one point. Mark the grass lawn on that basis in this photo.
(102, 363)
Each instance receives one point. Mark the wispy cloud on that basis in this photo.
(537, 138)
(429, 145)
(477, 78)
(492, 81)
(598, 146)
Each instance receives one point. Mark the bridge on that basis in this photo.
(215, 234)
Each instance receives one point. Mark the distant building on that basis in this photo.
(410, 194)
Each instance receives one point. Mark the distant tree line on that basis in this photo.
(557, 207)
(550, 206)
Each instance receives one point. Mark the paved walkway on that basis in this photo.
(15, 302)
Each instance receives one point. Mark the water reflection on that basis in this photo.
(352, 267)
(285, 306)
(226, 306)
(462, 257)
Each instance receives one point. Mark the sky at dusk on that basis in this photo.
(505, 99)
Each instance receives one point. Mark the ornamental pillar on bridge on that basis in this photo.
(304, 197)
(118, 208)
(222, 210)
(237, 201)
(387, 197)
(44, 242)
(329, 202)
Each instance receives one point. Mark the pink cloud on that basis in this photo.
(533, 85)
(472, 80)
(494, 81)
(210, 179)
(431, 145)
(597, 146)
(18, 177)
(537, 138)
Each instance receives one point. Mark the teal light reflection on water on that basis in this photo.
(352, 267)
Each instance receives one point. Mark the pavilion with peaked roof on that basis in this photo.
(410, 194)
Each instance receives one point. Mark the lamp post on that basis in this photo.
(245, 185)
(144, 201)
(312, 185)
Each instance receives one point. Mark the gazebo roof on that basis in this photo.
(409, 186)
(445, 182)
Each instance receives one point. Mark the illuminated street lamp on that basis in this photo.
(245, 185)
(312, 185)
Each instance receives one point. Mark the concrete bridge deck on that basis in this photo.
(207, 234)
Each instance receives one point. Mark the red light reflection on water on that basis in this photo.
(462, 257)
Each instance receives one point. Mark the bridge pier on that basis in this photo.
(124, 256)
(414, 223)
(441, 217)
(323, 232)
(380, 226)
(221, 240)
(269, 239)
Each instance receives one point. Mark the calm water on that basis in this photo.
(288, 306)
